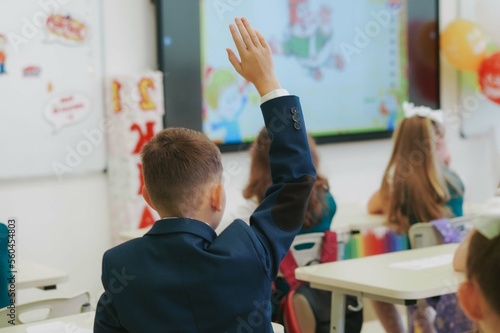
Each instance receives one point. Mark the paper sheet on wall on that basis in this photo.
(51, 88)
(134, 114)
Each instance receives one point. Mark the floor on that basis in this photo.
(371, 324)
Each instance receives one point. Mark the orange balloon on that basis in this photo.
(464, 45)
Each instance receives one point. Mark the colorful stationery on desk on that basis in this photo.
(356, 244)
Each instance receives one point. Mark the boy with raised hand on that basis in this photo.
(181, 276)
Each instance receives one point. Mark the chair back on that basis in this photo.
(4, 266)
(424, 234)
(278, 328)
(47, 309)
(306, 248)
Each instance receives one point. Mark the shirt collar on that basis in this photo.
(171, 225)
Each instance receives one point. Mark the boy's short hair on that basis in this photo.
(177, 164)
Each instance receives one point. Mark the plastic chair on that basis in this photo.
(425, 234)
(278, 328)
(306, 250)
(439, 232)
(4, 266)
(47, 309)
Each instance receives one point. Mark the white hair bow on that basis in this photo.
(488, 221)
(411, 110)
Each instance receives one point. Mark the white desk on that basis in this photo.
(81, 320)
(383, 278)
(355, 216)
(33, 275)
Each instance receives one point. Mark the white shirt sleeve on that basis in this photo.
(274, 94)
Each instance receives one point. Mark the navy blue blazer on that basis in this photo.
(182, 277)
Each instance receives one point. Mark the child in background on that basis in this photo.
(479, 256)
(312, 305)
(181, 276)
(321, 207)
(417, 186)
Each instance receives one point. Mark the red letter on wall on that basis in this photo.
(147, 218)
(144, 137)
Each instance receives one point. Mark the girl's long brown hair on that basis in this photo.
(260, 179)
(413, 184)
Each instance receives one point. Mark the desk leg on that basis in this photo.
(337, 317)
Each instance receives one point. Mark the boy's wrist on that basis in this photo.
(274, 94)
(267, 86)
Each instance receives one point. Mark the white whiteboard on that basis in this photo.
(51, 91)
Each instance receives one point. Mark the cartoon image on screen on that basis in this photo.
(310, 38)
(346, 60)
(226, 99)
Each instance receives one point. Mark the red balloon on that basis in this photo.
(489, 77)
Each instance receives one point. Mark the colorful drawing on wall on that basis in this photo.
(31, 71)
(3, 53)
(66, 109)
(66, 30)
(310, 38)
(52, 98)
(226, 99)
(135, 108)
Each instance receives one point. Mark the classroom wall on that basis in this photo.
(66, 225)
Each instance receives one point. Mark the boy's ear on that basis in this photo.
(469, 297)
(217, 196)
(146, 197)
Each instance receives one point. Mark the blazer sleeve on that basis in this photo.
(106, 319)
(280, 215)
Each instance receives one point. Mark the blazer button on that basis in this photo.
(295, 118)
(294, 110)
(297, 126)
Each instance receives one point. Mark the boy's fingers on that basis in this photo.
(262, 40)
(252, 32)
(233, 59)
(244, 33)
(237, 39)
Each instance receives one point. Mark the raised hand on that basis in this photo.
(256, 64)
